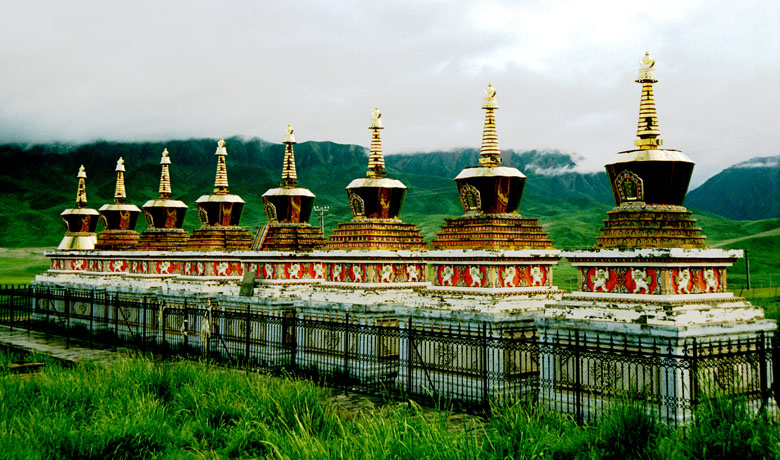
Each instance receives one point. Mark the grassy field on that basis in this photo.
(141, 408)
(20, 265)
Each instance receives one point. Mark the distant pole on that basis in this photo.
(322, 210)
(747, 269)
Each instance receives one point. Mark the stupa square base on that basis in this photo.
(290, 237)
(376, 234)
(217, 238)
(489, 280)
(491, 231)
(174, 239)
(586, 366)
(350, 342)
(472, 357)
(117, 240)
(657, 324)
(638, 225)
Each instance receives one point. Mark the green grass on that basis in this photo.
(20, 265)
(141, 408)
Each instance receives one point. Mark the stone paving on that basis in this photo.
(70, 350)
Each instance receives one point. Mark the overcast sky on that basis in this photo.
(76, 71)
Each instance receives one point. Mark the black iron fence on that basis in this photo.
(574, 372)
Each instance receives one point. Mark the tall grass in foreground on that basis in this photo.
(139, 408)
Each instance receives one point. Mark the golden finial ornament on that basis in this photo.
(120, 195)
(489, 152)
(289, 176)
(647, 128)
(165, 176)
(221, 181)
(376, 159)
(81, 193)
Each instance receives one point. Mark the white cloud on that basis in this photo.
(564, 70)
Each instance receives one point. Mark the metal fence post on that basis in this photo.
(409, 348)
(163, 323)
(294, 338)
(11, 303)
(484, 365)
(116, 317)
(762, 370)
(143, 323)
(33, 301)
(577, 379)
(694, 376)
(91, 315)
(185, 326)
(247, 335)
(346, 348)
(67, 317)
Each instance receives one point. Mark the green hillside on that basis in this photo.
(753, 189)
(42, 183)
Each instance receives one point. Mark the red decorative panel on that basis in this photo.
(475, 276)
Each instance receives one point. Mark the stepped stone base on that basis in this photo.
(293, 237)
(174, 239)
(492, 231)
(376, 234)
(117, 240)
(209, 238)
(650, 226)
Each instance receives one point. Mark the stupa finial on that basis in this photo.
(221, 181)
(376, 159)
(165, 176)
(120, 195)
(289, 176)
(647, 128)
(81, 193)
(490, 153)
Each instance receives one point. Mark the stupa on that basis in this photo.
(490, 273)
(118, 218)
(220, 214)
(649, 185)
(490, 194)
(376, 202)
(164, 216)
(80, 222)
(288, 209)
(651, 284)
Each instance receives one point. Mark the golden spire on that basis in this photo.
(289, 176)
(647, 129)
(81, 194)
(490, 153)
(119, 192)
(221, 182)
(165, 176)
(376, 160)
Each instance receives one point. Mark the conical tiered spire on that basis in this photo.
(376, 160)
(490, 153)
(81, 193)
(289, 176)
(221, 181)
(120, 195)
(165, 176)
(647, 128)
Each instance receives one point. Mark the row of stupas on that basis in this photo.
(649, 186)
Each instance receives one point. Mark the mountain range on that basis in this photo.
(38, 182)
(748, 190)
